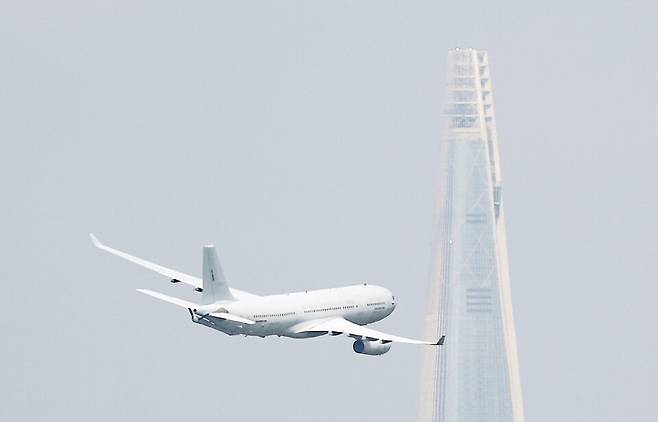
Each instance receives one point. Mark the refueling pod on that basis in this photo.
(366, 347)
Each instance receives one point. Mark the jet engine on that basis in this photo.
(366, 347)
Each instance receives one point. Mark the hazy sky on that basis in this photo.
(301, 138)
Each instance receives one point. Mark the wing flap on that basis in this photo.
(357, 331)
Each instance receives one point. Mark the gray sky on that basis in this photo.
(301, 138)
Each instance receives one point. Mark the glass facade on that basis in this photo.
(475, 376)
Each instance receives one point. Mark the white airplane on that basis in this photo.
(343, 310)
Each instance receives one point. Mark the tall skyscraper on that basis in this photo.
(475, 376)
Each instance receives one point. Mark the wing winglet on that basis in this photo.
(95, 240)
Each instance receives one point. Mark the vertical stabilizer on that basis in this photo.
(214, 283)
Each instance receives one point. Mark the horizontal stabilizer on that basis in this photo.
(193, 306)
(179, 302)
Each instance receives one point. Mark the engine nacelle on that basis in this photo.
(365, 347)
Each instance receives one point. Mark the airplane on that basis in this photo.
(304, 314)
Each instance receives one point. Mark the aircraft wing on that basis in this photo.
(341, 325)
(172, 274)
(167, 272)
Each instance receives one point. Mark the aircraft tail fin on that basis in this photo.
(215, 287)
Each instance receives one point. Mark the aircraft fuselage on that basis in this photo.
(286, 314)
